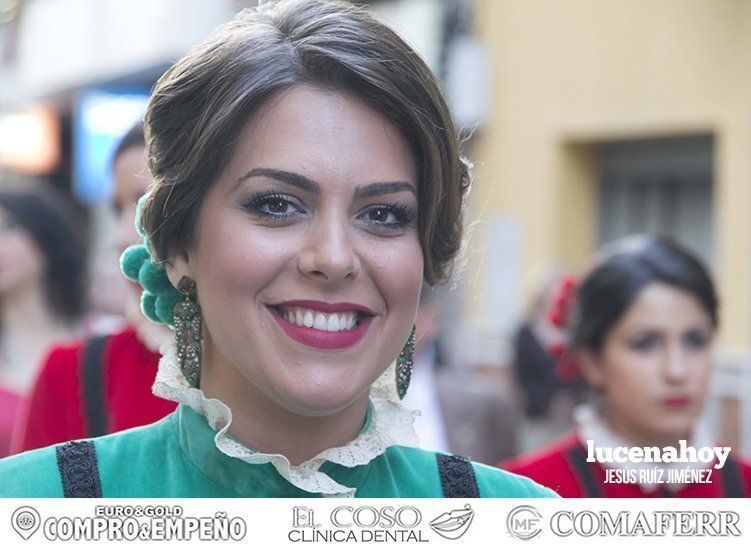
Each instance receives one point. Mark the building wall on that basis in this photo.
(566, 76)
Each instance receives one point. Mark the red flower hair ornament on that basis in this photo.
(558, 315)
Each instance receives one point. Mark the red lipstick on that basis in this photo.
(678, 402)
(325, 340)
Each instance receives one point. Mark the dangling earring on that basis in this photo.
(187, 317)
(404, 365)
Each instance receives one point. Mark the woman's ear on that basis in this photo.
(591, 367)
(177, 266)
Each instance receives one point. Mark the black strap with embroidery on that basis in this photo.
(92, 386)
(577, 460)
(79, 470)
(457, 477)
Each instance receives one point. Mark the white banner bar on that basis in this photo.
(285, 521)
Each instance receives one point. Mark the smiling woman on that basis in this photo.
(307, 180)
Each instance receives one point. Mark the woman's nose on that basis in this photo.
(329, 255)
(676, 364)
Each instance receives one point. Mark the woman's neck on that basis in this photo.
(265, 426)
(643, 439)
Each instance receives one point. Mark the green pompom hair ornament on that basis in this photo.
(159, 297)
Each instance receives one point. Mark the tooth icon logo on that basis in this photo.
(453, 524)
(25, 521)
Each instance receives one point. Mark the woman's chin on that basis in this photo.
(673, 431)
(319, 401)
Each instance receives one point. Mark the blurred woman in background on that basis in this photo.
(642, 333)
(41, 289)
(89, 388)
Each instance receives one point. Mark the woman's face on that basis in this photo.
(22, 263)
(306, 255)
(655, 365)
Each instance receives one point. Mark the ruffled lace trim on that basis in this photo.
(592, 426)
(392, 423)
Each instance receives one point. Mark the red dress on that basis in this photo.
(9, 403)
(54, 411)
(563, 468)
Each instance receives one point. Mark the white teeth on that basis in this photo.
(320, 322)
(335, 322)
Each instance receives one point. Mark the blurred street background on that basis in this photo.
(586, 120)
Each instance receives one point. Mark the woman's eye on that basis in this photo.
(645, 343)
(273, 206)
(695, 340)
(277, 205)
(380, 215)
(393, 216)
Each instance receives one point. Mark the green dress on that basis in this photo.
(177, 457)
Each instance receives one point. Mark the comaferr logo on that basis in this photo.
(526, 522)
(675, 523)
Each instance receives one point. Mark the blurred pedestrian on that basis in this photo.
(103, 384)
(42, 279)
(642, 333)
(538, 366)
(461, 412)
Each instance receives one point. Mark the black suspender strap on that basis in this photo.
(92, 386)
(457, 477)
(577, 459)
(78, 468)
(732, 480)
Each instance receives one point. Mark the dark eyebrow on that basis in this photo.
(290, 178)
(307, 184)
(382, 188)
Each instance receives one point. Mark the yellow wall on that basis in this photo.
(569, 74)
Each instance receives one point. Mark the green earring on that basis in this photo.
(187, 318)
(404, 365)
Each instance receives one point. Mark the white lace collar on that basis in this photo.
(392, 423)
(592, 426)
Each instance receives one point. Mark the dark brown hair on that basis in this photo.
(133, 138)
(622, 271)
(51, 220)
(200, 105)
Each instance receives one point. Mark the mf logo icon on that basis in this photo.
(524, 522)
